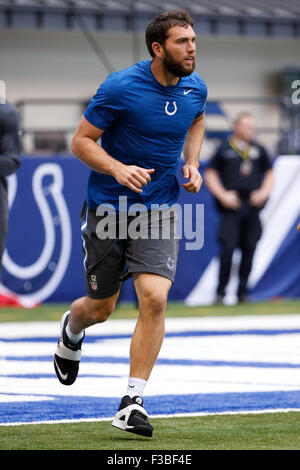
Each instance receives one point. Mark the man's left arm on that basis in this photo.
(259, 196)
(191, 151)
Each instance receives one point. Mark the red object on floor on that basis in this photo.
(10, 300)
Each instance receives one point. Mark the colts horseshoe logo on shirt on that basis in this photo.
(171, 113)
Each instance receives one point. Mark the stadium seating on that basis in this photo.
(271, 17)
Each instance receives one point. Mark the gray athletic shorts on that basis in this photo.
(144, 243)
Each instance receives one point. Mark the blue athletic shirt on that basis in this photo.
(145, 124)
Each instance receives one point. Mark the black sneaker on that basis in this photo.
(132, 417)
(67, 355)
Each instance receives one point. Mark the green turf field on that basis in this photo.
(49, 312)
(261, 431)
(245, 432)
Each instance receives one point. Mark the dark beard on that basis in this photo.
(174, 67)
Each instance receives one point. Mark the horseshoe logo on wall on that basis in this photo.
(41, 278)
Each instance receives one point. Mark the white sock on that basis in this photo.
(135, 387)
(74, 338)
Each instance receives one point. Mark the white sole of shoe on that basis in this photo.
(118, 423)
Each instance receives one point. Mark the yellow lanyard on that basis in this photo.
(242, 153)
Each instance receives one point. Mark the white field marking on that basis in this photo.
(35, 367)
(221, 351)
(171, 379)
(15, 398)
(235, 348)
(166, 380)
(282, 348)
(179, 415)
(10, 330)
(194, 373)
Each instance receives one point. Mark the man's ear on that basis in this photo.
(157, 49)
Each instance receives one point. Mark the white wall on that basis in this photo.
(61, 64)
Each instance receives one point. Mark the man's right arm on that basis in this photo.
(10, 149)
(85, 147)
(228, 199)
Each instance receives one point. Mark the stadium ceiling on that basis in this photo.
(214, 17)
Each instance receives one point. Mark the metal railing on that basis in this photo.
(286, 132)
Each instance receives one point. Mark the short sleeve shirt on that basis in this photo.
(237, 173)
(145, 124)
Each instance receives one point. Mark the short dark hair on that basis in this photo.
(158, 27)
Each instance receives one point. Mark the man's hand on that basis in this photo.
(134, 177)
(195, 179)
(257, 198)
(230, 200)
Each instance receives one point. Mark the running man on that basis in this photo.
(144, 115)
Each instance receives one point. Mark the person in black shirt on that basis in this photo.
(240, 177)
(10, 152)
